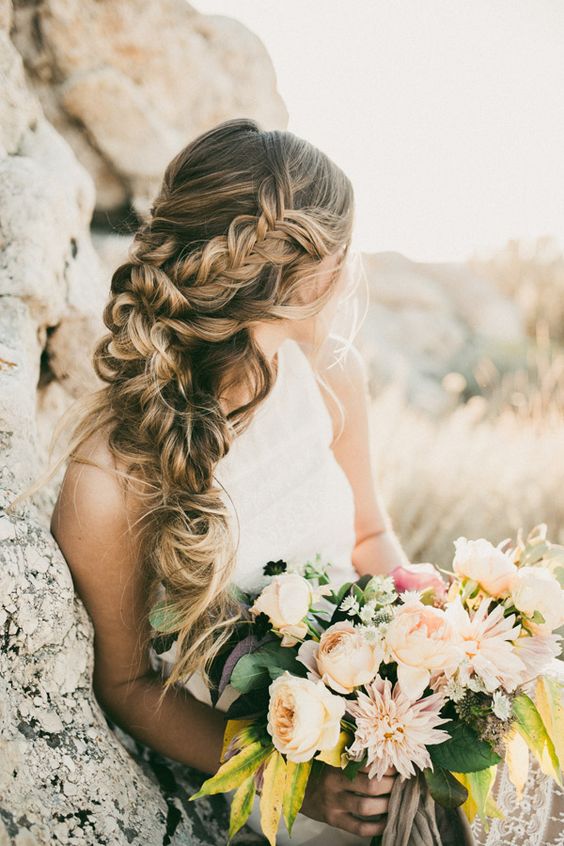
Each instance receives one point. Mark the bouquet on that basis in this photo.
(443, 685)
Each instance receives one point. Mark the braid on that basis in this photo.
(240, 224)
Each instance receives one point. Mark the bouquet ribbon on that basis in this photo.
(414, 819)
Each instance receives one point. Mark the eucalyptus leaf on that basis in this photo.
(259, 668)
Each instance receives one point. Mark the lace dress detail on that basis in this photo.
(538, 819)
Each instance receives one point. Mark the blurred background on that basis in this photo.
(448, 119)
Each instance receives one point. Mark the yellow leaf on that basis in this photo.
(235, 770)
(232, 728)
(533, 730)
(242, 805)
(297, 776)
(333, 756)
(549, 701)
(480, 800)
(272, 794)
(517, 760)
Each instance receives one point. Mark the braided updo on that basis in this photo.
(235, 236)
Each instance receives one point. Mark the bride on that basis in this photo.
(229, 432)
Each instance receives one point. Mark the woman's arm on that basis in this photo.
(94, 528)
(377, 548)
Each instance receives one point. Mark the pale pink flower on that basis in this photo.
(486, 639)
(422, 641)
(537, 652)
(344, 658)
(419, 576)
(484, 563)
(393, 729)
(537, 589)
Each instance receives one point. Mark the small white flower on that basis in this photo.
(382, 590)
(368, 611)
(453, 690)
(371, 633)
(350, 605)
(410, 596)
(501, 705)
(476, 684)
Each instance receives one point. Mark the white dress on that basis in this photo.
(293, 500)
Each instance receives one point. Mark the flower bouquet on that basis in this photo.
(442, 685)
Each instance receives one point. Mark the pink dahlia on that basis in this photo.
(393, 729)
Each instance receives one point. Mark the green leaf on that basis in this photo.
(465, 752)
(242, 805)
(254, 703)
(532, 729)
(344, 589)
(353, 767)
(534, 552)
(259, 668)
(445, 788)
(162, 617)
(297, 776)
(538, 618)
(234, 771)
(558, 572)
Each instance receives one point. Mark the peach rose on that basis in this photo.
(303, 717)
(424, 644)
(344, 658)
(484, 563)
(286, 601)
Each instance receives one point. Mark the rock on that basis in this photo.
(127, 101)
(68, 774)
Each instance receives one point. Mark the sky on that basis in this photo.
(447, 115)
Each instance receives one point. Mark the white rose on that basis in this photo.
(343, 658)
(303, 717)
(484, 563)
(286, 601)
(536, 589)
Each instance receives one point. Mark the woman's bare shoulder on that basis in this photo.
(91, 485)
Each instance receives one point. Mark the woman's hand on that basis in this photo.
(353, 805)
(419, 576)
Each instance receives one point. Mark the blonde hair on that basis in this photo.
(239, 226)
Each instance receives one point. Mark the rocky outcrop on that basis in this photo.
(67, 773)
(129, 83)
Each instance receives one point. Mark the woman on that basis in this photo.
(213, 447)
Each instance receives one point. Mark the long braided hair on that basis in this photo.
(235, 236)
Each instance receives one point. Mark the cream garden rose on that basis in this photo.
(484, 563)
(537, 589)
(422, 641)
(286, 601)
(343, 658)
(304, 717)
